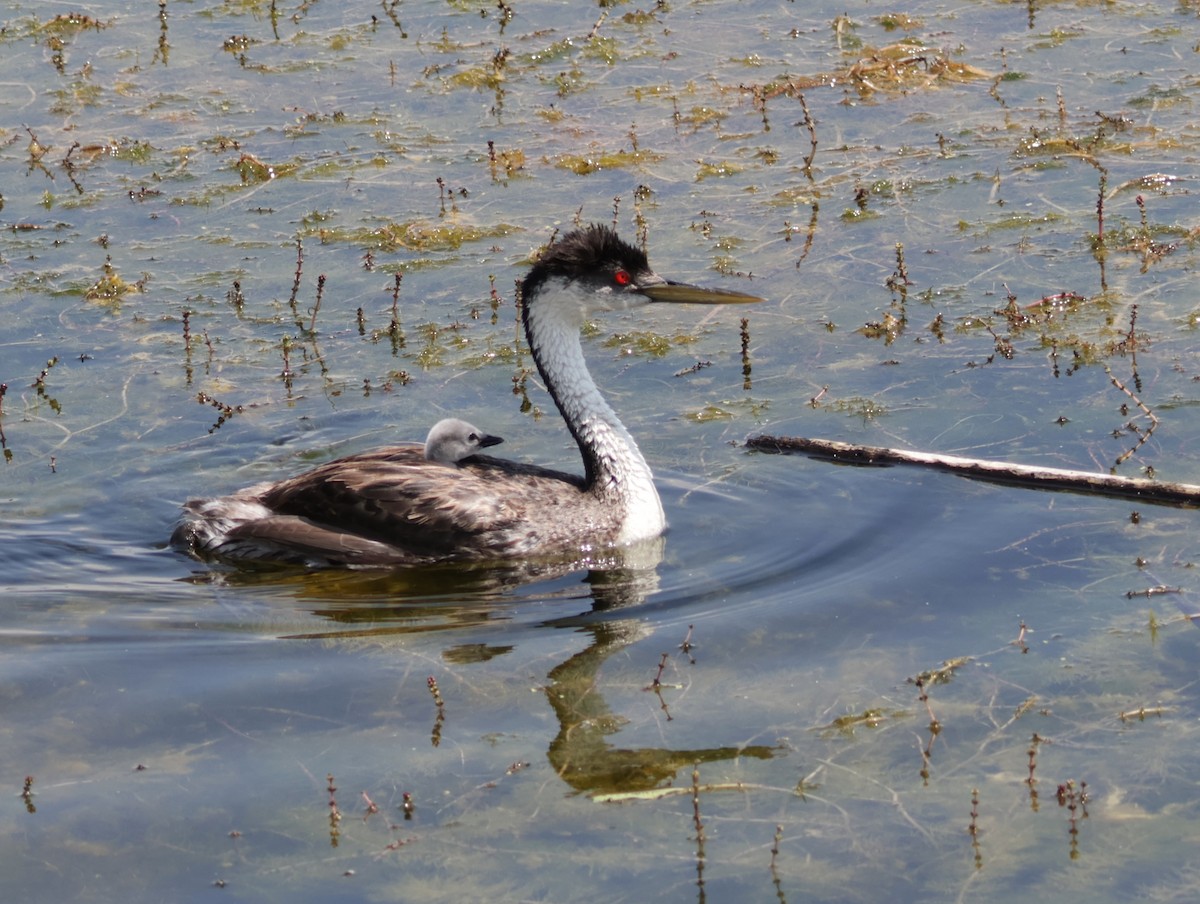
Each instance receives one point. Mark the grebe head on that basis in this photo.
(451, 440)
(601, 272)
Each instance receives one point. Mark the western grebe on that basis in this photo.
(394, 507)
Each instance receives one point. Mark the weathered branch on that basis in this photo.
(1152, 492)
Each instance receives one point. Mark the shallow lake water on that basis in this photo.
(240, 238)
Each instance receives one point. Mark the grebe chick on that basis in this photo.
(451, 440)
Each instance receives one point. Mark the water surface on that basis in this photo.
(825, 681)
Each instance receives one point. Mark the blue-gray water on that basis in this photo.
(179, 725)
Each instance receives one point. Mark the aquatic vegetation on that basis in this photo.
(894, 680)
(252, 170)
(416, 235)
(110, 289)
(645, 342)
(717, 169)
(585, 164)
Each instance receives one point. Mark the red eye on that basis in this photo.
(622, 278)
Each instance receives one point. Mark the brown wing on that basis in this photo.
(393, 506)
(288, 539)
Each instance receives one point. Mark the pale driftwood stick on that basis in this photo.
(1152, 492)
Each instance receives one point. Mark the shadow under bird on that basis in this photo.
(395, 506)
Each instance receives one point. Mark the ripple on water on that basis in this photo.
(782, 537)
(793, 538)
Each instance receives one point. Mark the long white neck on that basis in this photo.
(615, 470)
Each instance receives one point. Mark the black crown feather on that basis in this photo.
(587, 252)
